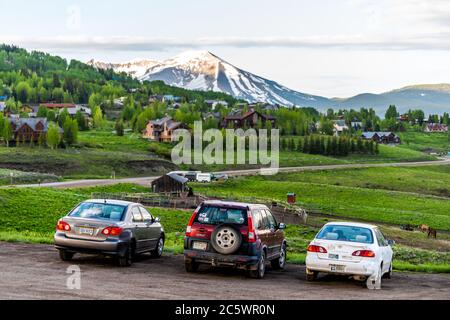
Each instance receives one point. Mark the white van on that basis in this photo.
(204, 177)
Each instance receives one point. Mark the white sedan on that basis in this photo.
(354, 249)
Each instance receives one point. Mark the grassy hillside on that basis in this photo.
(431, 180)
(97, 155)
(100, 152)
(296, 159)
(352, 199)
(21, 177)
(429, 142)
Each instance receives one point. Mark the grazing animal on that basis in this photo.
(432, 233)
(424, 228)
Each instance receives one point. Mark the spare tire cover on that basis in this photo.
(226, 239)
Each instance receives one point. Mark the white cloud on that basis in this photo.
(423, 41)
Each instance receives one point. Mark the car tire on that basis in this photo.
(226, 239)
(157, 253)
(280, 262)
(126, 259)
(388, 275)
(191, 266)
(374, 282)
(311, 275)
(65, 255)
(261, 268)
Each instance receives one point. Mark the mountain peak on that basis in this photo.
(195, 55)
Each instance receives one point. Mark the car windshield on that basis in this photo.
(346, 233)
(219, 215)
(101, 211)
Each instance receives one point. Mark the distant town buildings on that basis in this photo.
(212, 104)
(161, 129)
(382, 137)
(249, 119)
(339, 127)
(29, 129)
(436, 127)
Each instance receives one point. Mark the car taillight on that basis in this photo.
(364, 253)
(251, 229)
(318, 249)
(112, 231)
(63, 226)
(191, 222)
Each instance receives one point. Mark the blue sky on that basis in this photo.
(330, 48)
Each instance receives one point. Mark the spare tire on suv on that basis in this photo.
(226, 239)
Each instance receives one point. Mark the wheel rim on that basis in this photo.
(282, 257)
(160, 246)
(226, 238)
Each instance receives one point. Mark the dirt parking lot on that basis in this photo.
(35, 272)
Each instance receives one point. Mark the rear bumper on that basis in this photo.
(218, 260)
(362, 268)
(108, 247)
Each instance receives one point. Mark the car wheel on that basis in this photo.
(374, 281)
(280, 262)
(388, 275)
(261, 268)
(311, 275)
(157, 253)
(65, 255)
(125, 260)
(191, 265)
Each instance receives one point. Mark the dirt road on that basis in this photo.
(35, 272)
(145, 181)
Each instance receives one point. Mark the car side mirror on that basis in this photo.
(282, 226)
(391, 242)
(157, 219)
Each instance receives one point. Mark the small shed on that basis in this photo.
(171, 182)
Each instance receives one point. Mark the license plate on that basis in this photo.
(333, 256)
(336, 268)
(86, 231)
(199, 245)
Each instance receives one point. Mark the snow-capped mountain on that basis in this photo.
(136, 68)
(202, 70)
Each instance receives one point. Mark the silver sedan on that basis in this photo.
(110, 227)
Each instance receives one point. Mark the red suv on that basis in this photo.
(235, 234)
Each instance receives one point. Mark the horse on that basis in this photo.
(424, 228)
(432, 233)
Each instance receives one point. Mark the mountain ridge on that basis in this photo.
(203, 70)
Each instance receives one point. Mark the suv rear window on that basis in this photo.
(99, 211)
(219, 215)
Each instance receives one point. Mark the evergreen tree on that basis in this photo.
(82, 121)
(306, 144)
(391, 113)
